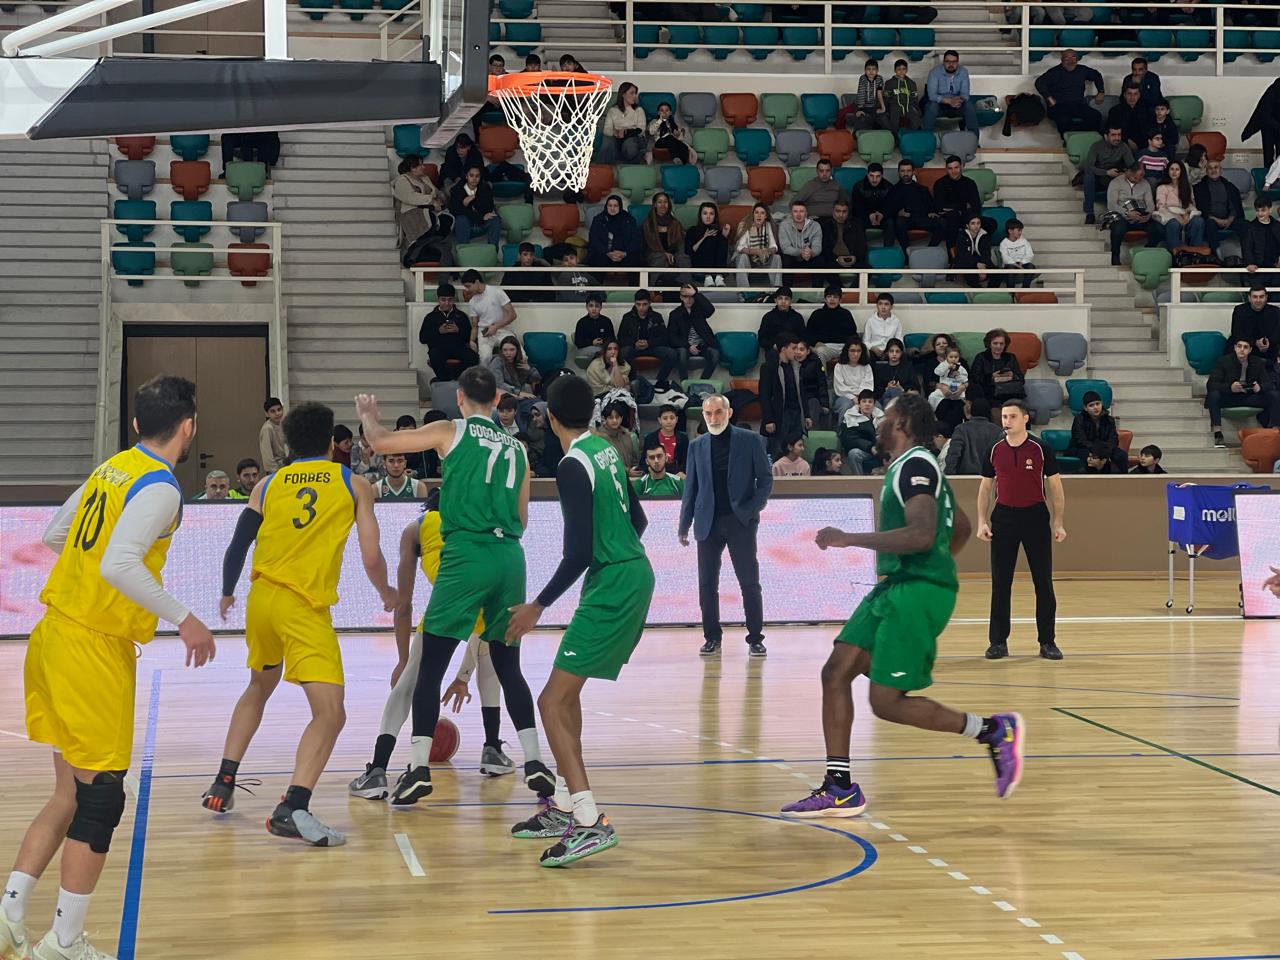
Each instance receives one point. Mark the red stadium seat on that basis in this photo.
(189, 178)
(1260, 449)
(836, 146)
(498, 143)
(135, 148)
(929, 176)
(767, 184)
(1035, 296)
(1215, 144)
(559, 220)
(249, 264)
(1026, 347)
(599, 182)
(739, 109)
(733, 214)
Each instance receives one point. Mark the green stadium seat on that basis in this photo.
(1151, 266)
(739, 351)
(820, 109)
(686, 213)
(1187, 112)
(190, 146)
(986, 181)
(800, 176)
(1202, 349)
(134, 210)
(191, 210)
(1078, 142)
(637, 181)
(779, 109)
(246, 178)
(476, 255)
(517, 220)
(820, 440)
(711, 144)
(193, 260)
(1220, 296)
(875, 146)
(1076, 389)
(970, 343)
(992, 296)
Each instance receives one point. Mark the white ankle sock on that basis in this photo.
(972, 725)
(562, 799)
(584, 808)
(68, 922)
(16, 892)
(421, 751)
(529, 744)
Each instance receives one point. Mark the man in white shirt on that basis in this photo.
(493, 313)
(1016, 254)
(881, 327)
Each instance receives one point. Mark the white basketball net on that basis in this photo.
(555, 116)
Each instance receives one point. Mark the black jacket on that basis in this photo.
(1266, 113)
(1227, 371)
(813, 382)
(903, 372)
(1067, 86)
(1134, 122)
(480, 205)
(680, 321)
(1086, 431)
(868, 199)
(1261, 244)
(961, 195)
(971, 251)
(776, 322)
(543, 278)
(455, 167)
(650, 328)
(429, 333)
(911, 197)
(854, 235)
(589, 330)
(1201, 193)
(772, 393)
(830, 326)
(982, 370)
(713, 252)
(1253, 325)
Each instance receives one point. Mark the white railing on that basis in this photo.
(401, 32)
(110, 333)
(1210, 279)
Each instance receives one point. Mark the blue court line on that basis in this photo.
(137, 849)
(1047, 686)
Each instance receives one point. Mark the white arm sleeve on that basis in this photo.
(468, 665)
(55, 534)
(145, 518)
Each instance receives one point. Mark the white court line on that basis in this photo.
(897, 836)
(915, 849)
(879, 826)
(981, 891)
(935, 862)
(1028, 922)
(1149, 618)
(1004, 905)
(410, 858)
(16, 736)
(1050, 938)
(957, 875)
(1071, 954)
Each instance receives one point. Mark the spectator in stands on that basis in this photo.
(643, 333)
(830, 326)
(1016, 254)
(822, 193)
(272, 450)
(1219, 202)
(656, 481)
(868, 110)
(871, 202)
(416, 463)
(474, 213)
(1265, 120)
(217, 486)
(1240, 379)
(844, 241)
(1260, 248)
(417, 201)
(901, 100)
(926, 360)
(827, 463)
(364, 461)
(706, 244)
(1149, 460)
(690, 331)
(881, 327)
(781, 396)
(1107, 160)
(666, 134)
(532, 64)
(971, 444)
(1094, 430)
(895, 374)
(1132, 117)
(1258, 322)
(783, 318)
(1098, 459)
(851, 377)
(756, 247)
(911, 207)
(514, 373)
(858, 432)
(343, 441)
(613, 428)
(608, 371)
(594, 329)
(573, 283)
(624, 129)
(1144, 81)
(493, 311)
(1168, 129)
(664, 240)
(569, 64)
(995, 376)
(973, 252)
(792, 462)
(1197, 163)
(614, 239)
(673, 441)
(957, 199)
(446, 333)
(1130, 198)
(526, 256)
(535, 434)
(505, 415)
(399, 484)
(264, 147)
(947, 398)
(460, 157)
(1153, 159)
(800, 240)
(1176, 209)
(814, 389)
(247, 474)
(1063, 90)
(947, 94)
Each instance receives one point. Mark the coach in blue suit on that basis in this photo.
(727, 483)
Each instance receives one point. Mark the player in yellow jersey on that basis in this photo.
(300, 517)
(104, 596)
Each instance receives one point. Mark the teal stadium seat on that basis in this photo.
(739, 351)
(1058, 441)
(191, 210)
(682, 38)
(135, 262)
(1203, 348)
(849, 177)
(762, 41)
(820, 109)
(1001, 216)
(918, 146)
(511, 253)
(523, 37)
(878, 41)
(801, 41)
(546, 351)
(916, 341)
(723, 39)
(882, 258)
(920, 37)
(189, 146)
(946, 296)
(651, 100)
(407, 139)
(134, 210)
(752, 146)
(680, 180)
(1076, 389)
(645, 37)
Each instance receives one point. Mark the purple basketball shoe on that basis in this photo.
(1005, 744)
(828, 801)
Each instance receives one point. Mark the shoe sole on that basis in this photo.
(1019, 735)
(832, 813)
(369, 793)
(1050, 656)
(709, 653)
(488, 770)
(999, 656)
(215, 806)
(11, 950)
(757, 656)
(417, 792)
(575, 857)
(290, 834)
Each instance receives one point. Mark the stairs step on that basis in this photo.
(1127, 361)
(1100, 347)
(1129, 409)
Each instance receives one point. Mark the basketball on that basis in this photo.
(445, 743)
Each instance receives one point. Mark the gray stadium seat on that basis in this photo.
(908, 296)
(698, 108)
(722, 183)
(923, 257)
(961, 143)
(135, 178)
(1165, 295)
(253, 211)
(1239, 176)
(1065, 352)
(444, 397)
(793, 146)
(1044, 397)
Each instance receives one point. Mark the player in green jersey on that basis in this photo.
(892, 635)
(484, 506)
(603, 522)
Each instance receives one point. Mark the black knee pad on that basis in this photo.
(99, 807)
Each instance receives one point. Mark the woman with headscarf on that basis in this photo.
(614, 239)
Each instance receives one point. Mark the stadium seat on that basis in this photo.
(245, 264)
(799, 176)
(1044, 397)
(1259, 175)
(1156, 42)
(960, 143)
(793, 146)
(1076, 389)
(135, 148)
(636, 181)
(599, 182)
(752, 146)
(1215, 143)
(355, 8)
(1187, 112)
(406, 138)
(1266, 41)
(779, 109)
(246, 178)
(820, 109)
(733, 214)
(1081, 38)
(1059, 441)
(1260, 450)
(928, 176)
(680, 180)
(969, 342)
(767, 184)
(498, 143)
(875, 146)
(1239, 178)
(878, 41)
(1077, 144)
(992, 297)
(722, 183)
(988, 107)
(641, 33)
(547, 351)
(1151, 266)
(711, 144)
(1233, 43)
(739, 351)
(1221, 296)
(135, 178)
(723, 39)
(253, 211)
(918, 146)
(190, 146)
(190, 178)
(946, 296)
(523, 37)
(915, 341)
(1000, 216)
(920, 258)
(844, 40)
(1065, 352)
(134, 210)
(444, 396)
(718, 385)
(559, 221)
(985, 180)
(848, 177)
(651, 100)
(639, 211)
(836, 146)
(193, 260)
(1025, 346)
(883, 258)
(1202, 349)
(510, 253)
(820, 440)
(477, 256)
(1035, 296)
(739, 109)
(916, 41)
(681, 39)
(517, 220)
(801, 41)
(191, 210)
(686, 213)
(511, 9)
(134, 262)
(760, 41)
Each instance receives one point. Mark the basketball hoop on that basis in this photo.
(555, 115)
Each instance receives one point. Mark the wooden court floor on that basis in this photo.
(1147, 824)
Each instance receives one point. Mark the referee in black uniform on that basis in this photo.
(1022, 466)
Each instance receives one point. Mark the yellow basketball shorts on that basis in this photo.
(282, 627)
(80, 693)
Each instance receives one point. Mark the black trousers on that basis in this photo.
(1028, 528)
(729, 531)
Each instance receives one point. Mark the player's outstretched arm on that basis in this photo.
(436, 436)
(245, 534)
(375, 564)
(406, 572)
(915, 537)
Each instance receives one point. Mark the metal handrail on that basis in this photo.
(1176, 288)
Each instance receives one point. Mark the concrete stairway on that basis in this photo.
(1152, 400)
(52, 198)
(343, 297)
(985, 62)
(595, 24)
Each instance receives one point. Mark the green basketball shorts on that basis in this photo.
(477, 575)
(609, 620)
(899, 625)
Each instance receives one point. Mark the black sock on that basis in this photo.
(988, 725)
(229, 768)
(382, 749)
(492, 721)
(838, 772)
(297, 798)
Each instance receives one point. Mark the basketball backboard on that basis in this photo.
(456, 36)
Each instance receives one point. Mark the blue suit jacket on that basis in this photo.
(750, 481)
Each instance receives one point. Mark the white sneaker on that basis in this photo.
(82, 949)
(719, 280)
(14, 944)
(708, 281)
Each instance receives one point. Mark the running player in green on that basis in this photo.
(892, 635)
(484, 507)
(603, 522)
